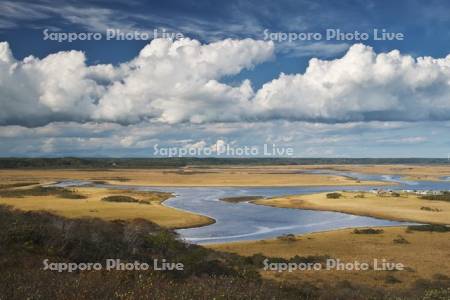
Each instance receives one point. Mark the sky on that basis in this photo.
(301, 78)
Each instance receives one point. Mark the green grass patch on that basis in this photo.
(334, 195)
(241, 199)
(433, 209)
(429, 227)
(150, 196)
(367, 231)
(120, 198)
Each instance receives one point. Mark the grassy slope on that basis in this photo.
(27, 239)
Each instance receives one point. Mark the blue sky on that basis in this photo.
(330, 98)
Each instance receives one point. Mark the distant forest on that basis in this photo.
(120, 163)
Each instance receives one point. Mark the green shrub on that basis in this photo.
(440, 277)
(400, 240)
(334, 195)
(367, 231)
(240, 199)
(437, 294)
(429, 227)
(427, 208)
(125, 199)
(120, 198)
(445, 196)
(392, 279)
(287, 237)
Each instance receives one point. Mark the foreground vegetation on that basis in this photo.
(26, 239)
(423, 250)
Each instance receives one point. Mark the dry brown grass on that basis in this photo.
(93, 206)
(404, 208)
(410, 172)
(425, 255)
(242, 176)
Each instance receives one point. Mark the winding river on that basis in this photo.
(247, 221)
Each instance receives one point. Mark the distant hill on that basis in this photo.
(119, 163)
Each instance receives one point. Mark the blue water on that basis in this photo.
(247, 221)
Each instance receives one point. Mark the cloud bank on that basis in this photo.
(172, 82)
(361, 86)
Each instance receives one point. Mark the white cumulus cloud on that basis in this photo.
(361, 86)
(171, 82)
